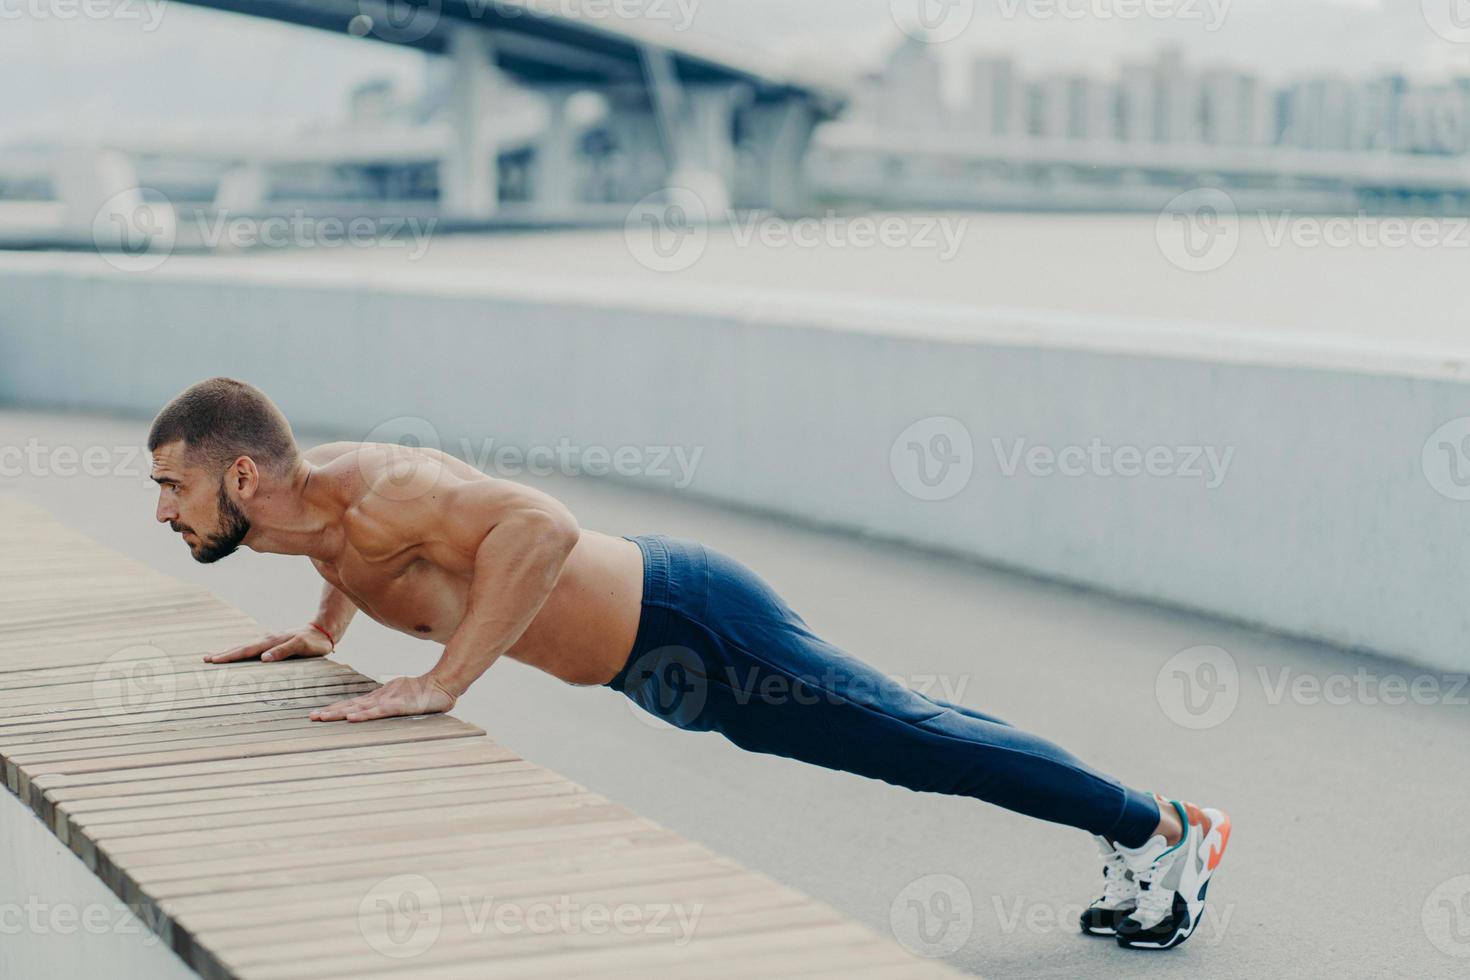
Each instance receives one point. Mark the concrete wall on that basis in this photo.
(1329, 511)
(58, 920)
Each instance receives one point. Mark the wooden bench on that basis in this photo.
(262, 846)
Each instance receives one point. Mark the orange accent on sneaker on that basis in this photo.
(1218, 851)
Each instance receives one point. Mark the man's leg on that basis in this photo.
(734, 658)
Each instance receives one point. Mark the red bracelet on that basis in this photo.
(329, 636)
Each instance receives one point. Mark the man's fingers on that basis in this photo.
(371, 712)
(242, 653)
(338, 711)
(280, 651)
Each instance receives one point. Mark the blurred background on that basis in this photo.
(1102, 362)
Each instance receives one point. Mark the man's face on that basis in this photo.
(194, 503)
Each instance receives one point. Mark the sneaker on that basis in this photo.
(1119, 897)
(1172, 880)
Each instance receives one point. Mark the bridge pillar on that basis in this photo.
(570, 112)
(775, 138)
(468, 175)
(704, 147)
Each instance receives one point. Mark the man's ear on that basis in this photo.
(244, 476)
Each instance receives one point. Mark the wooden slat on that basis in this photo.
(255, 841)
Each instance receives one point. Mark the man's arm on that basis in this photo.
(516, 567)
(333, 614)
(516, 541)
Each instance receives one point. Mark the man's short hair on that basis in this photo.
(222, 419)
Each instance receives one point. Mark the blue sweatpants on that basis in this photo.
(718, 650)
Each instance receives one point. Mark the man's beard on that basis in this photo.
(233, 528)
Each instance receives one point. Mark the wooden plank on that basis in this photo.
(250, 837)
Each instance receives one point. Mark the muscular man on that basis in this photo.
(428, 545)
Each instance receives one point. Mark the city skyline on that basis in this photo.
(89, 70)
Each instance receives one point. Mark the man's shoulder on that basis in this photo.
(326, 452)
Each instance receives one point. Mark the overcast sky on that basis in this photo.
(176, 63)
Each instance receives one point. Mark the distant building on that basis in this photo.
(994, 110)
(907, 94)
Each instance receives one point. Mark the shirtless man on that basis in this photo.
(428, 545)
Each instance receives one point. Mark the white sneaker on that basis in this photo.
(1119, 897)
(1172, 880)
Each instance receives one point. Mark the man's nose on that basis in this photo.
(166, 512)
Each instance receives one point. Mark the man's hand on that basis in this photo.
(304, 642)
(400, 696)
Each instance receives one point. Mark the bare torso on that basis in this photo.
(583, 633)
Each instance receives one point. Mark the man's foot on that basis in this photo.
(1119, 897)
(1172, 880)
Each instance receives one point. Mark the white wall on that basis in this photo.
(1325, 525)
(59, 922)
